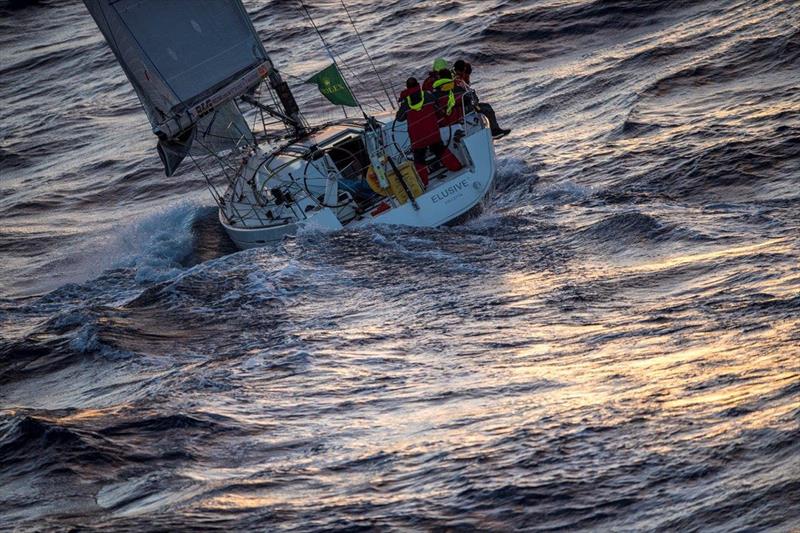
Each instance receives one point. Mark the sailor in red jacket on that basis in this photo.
(420, 109)
(438, 65)
(449, 94)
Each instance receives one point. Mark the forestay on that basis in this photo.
(184, 59)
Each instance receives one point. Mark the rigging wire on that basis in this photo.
(374, 69)
(370, 105)
(330, 52)
(336, 62)
(304, 80)
(361, 83)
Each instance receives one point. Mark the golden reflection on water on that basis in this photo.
(653, 355)
(668, 355)
(645, 357)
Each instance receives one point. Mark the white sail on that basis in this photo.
(184, 58)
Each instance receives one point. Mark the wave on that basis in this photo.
(622, 231)
(512, 372)
(747, 58)
(32, 444)
(551, 28)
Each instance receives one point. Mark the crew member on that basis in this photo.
(449, 96)
(438, 64)
(463, 71)
(420, 109)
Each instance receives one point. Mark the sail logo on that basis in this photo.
(329, 87)
(449, 192)
(330, 83)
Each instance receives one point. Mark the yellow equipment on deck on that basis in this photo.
(396, 189)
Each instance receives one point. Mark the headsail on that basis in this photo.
(184, 59)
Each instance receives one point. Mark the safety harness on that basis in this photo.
(417, 106)
(451, 98)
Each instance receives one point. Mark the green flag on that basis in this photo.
(332, 86)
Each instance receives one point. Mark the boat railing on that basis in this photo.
(292, 183)
(470, 116)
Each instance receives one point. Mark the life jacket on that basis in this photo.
(449, 95)
(423, 123)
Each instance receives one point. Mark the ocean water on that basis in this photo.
(613, 345)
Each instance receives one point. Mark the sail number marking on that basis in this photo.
(204, 108)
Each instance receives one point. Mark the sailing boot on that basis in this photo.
(499, 133)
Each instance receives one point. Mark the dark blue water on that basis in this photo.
(613, 345)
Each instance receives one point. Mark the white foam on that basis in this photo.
(152, 244)
(155, 244)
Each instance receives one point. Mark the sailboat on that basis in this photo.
(212, 95)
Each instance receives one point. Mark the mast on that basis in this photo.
(290, 108)
(291, 111)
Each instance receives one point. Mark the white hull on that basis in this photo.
(447, 198)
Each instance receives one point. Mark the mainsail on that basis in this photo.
(185, 59)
